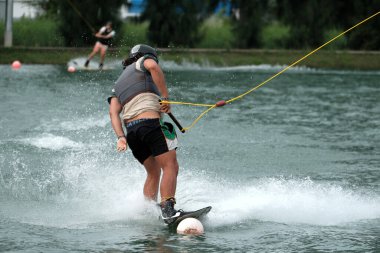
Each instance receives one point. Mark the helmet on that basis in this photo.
(142, 49)
(139, 51)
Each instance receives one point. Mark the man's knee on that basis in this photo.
(171, 164)
(168, 161)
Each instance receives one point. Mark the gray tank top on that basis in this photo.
(134, 80)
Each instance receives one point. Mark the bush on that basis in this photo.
(34, 33)
(216, 32)
(275, 35)
(340, 43)
(133, 33)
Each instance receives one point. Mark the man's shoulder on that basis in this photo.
(140, 63)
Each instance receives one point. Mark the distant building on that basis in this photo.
(21, 8)
(136, 7)
(224, 8)
(2, 10)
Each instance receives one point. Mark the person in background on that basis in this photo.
(104, 35)
(136, 98)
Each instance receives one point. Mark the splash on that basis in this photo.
(52, 142)
(206, 66)
(96, 189)
(293, 201)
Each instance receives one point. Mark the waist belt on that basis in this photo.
(135, 122)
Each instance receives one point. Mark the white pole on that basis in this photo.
(8, 36)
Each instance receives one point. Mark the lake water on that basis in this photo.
(292, 167)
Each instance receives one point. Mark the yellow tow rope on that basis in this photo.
(222, 102)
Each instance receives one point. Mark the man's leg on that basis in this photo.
(168, 163)
(103, 50)
(95, 50)
(152, 181)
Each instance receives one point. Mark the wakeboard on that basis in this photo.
(78, 64)
(197, 214)
(91, 68)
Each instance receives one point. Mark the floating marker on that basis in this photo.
(220, 103)
(190, 226)
(16, 65)
(71, 69)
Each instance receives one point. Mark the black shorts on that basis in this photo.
(146, 138)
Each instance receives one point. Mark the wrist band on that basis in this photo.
(121, 136)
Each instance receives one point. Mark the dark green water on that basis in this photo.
(292, 167)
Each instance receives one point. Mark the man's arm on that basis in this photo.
(115, 109)
(99, 34)
(159, 79)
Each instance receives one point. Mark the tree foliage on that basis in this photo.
(260, 23)
(366, 37)
(175, 22)
(80, 19)
(309, 20)
(249, 22)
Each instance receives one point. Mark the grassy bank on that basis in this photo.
(322, 59)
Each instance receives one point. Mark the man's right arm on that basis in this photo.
(115, 109)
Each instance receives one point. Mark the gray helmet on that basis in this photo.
(141, 50)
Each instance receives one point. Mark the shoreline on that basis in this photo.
(330, 59)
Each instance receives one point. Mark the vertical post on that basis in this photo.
(8, 35)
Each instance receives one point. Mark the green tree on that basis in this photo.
(249, 22)
(366, 36)
(80, 19)
(175, 22)
(311, 20)
(308, 21)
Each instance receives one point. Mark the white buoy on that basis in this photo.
(71, 69)
(190, 226)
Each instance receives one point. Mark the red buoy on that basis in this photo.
(16, 65)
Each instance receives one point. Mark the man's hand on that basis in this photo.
(122, 144)
(165, 108)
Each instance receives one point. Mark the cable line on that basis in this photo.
(222, 102)
(80, 15)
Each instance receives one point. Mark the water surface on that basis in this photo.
(292, 167)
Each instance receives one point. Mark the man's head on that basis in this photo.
(109, 24)
(139, 51)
